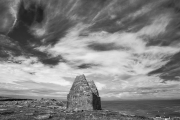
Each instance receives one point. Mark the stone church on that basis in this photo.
(83, 95)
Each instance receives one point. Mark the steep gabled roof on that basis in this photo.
(93, 87)
(80, 81)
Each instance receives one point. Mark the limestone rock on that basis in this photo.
(42, 117)
(83, 95)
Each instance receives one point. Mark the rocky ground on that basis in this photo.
(51, 109)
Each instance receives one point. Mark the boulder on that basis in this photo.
(42, 117)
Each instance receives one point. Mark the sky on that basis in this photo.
(130, 48)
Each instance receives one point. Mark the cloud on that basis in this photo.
(12, 72)
(163, 91)
(135, 60)
(158, 26)
(8, 15)
(99, 85)
(116, 44)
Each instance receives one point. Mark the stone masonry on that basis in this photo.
(83, 95)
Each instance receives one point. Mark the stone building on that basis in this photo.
(83, 95)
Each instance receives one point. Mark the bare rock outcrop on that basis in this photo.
(83, 95)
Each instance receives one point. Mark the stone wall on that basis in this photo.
(83, 95)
